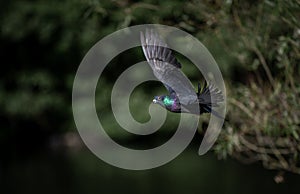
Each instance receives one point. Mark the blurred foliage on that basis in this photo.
(264, 106)
(256, 44)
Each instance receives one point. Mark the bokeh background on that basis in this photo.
(256, 44)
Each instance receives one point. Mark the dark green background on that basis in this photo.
(42, 44)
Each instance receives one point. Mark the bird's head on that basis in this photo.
(163, 100)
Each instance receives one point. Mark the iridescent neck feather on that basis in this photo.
(168, 101)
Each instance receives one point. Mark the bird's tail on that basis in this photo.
(205, 96)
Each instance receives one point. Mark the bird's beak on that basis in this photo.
(154, 101)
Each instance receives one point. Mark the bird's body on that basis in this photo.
(182, 96)
(172, 103)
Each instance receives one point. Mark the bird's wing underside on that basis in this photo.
(166, 67)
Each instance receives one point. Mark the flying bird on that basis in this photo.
(182, 97)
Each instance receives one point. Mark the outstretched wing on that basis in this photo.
(166, 67)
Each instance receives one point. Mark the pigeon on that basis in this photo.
(182, 97)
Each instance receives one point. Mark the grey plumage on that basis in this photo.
(166, 67)
(181, 92)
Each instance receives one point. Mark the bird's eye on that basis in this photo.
(158, 98)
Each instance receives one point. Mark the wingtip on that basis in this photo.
(154, 47)
(211, 90)
(142, 39)
(199, 87)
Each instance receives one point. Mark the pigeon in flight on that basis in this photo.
(182, 96)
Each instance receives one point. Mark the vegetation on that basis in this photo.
(256, 44)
